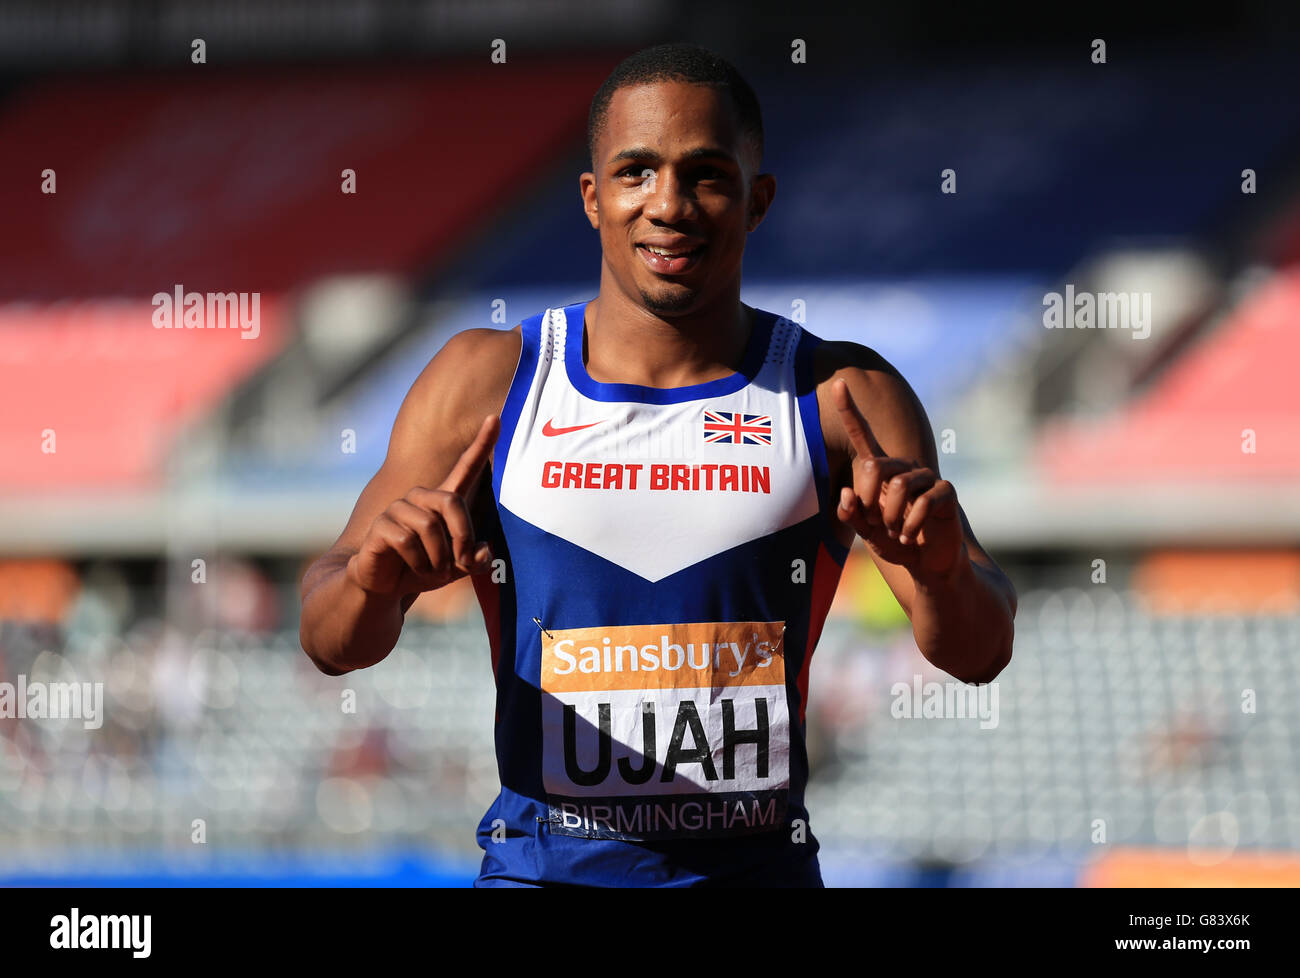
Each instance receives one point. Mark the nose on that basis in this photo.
(666, 198)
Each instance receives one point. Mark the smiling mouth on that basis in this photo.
(670, 261)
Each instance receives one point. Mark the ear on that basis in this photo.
(761, 193)
(587, 188)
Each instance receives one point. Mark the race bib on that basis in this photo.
(665, 731)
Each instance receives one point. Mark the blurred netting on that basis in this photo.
(1112, 726)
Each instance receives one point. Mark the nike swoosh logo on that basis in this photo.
(551, 431)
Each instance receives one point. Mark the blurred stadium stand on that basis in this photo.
(1123, 709)
(253, 160)
(1113, 713)
(1241, 376)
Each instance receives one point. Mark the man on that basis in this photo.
(654, 493)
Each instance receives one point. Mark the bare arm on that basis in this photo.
(885, 477)
(411, 529)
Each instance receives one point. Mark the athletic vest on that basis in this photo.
(666, 562)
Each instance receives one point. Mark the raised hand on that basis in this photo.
(906, 514)
(426, 539)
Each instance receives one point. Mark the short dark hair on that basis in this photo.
(685, 63)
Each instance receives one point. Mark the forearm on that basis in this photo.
(964, 621)
(344, 627)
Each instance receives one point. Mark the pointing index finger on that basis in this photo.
(474, 457)
(859, 432)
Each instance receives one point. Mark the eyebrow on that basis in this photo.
(650, 156)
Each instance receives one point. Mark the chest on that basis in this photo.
(655, 488)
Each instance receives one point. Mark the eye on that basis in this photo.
(635, 170)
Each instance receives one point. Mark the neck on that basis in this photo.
(626, 343)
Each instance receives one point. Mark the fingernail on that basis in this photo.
(902, 538)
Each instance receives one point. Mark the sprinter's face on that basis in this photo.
(674, 194)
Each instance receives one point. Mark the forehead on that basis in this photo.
(669, 117)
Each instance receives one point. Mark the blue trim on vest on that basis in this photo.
(810, 415)
(755, 353)
(525, 372)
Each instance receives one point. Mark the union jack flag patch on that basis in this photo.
(730, 428)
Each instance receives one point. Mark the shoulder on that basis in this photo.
(483, 349)
(885, 398)
(467, 379)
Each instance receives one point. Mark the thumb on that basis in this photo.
(850, 510)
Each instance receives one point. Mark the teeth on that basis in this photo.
(668, 254)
